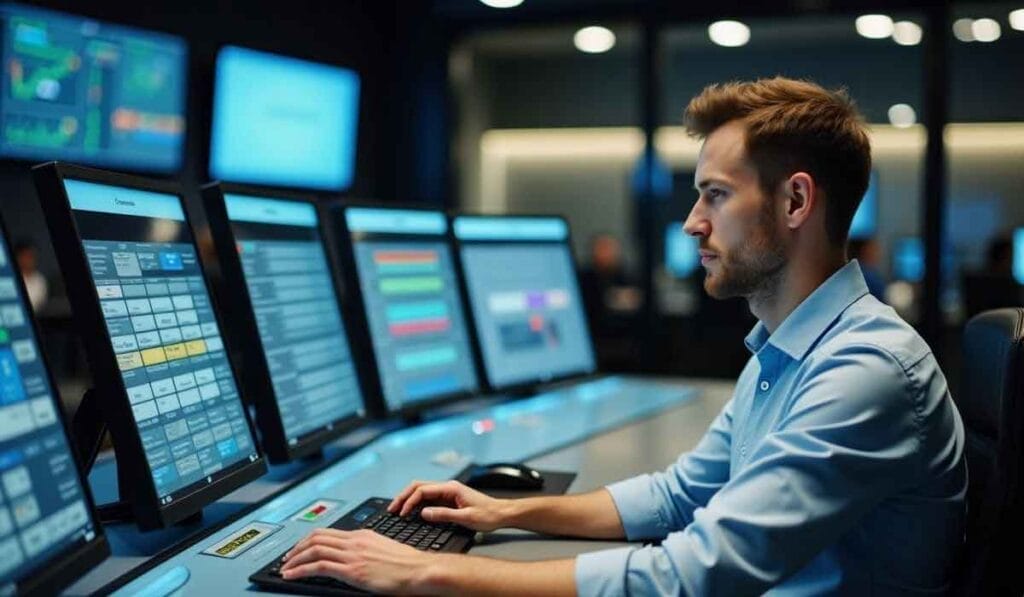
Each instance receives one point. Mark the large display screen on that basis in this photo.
(297, 315)
(161, 325)
(43, 507)
(84, 91)
(282, 121)
(525, 299)
(411, 297)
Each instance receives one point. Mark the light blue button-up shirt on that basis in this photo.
(836, 468)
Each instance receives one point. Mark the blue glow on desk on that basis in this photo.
(517, 431)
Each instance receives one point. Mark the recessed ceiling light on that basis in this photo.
(730, 34)
(1017, 19)
(902, 115)
(962, 29)
(874, 26)
(502, 3)
(986, 30)
(907, 33)
(594, 40)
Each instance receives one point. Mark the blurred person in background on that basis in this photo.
(35, 282)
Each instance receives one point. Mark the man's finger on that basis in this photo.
(404, 494)
(316, 553)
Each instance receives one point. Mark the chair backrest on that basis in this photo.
(991, 402)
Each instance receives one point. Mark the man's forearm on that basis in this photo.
(591, 515)
(453, 574)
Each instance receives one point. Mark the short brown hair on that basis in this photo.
(794, 126)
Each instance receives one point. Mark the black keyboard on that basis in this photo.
(371, 514)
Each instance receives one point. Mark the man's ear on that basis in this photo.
(801, 199)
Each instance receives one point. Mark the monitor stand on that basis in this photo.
(88, 428)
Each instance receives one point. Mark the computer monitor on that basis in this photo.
(521, 284)
(143, 310)
(1018, 255)
(49, 533)
(282, 121)
(87, 91)
(908, 259)
(865, 219)
(412, 313)
(681, 251)
(286, 318)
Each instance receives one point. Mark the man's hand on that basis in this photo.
(452, 501)
(362, 558)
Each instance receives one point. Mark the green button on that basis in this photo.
(4, 336)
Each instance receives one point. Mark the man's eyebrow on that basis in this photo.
(700, 186)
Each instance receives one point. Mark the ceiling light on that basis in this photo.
(730, 34)
(986, 30)
(962, 29)
(1017, 19)
(594, 40)
(902, 115)
(874, 26)
(502, 3)
(907, 33)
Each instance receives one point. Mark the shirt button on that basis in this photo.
(765, 385)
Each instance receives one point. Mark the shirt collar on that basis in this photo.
(802, 328)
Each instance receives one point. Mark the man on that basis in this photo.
(837, 467)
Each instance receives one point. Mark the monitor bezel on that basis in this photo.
(160, 173)
(70, 564)
(241, 322)
(530, 384)
(357, 305)
(85, 305)
(270, 185)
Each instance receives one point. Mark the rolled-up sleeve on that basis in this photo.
(850, 437)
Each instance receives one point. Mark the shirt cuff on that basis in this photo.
(638, 509)
(602, 572)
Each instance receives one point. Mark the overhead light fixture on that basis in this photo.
(1017, 19)
(594, 39)
(907, 33)
(986, 30)
(902, 115)
(874, 26)
(502, 3)
(731, 34)
(962, 29)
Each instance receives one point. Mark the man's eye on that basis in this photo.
(715, 194)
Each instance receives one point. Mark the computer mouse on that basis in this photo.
(504, 475)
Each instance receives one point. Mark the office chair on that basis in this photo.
(991, 402)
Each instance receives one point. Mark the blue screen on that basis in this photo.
(85, 91)
(525, 298)
(1018, 255)
(681, 256)
(44, 510)
(908, 260)
(297, 315)
(284, 122)
(162, 329)
(412, 302)
(865, 219)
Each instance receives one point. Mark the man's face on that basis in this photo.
(742, 247)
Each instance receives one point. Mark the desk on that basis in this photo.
(605, 430)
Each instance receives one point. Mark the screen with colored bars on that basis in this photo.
(525, 298)
(297, 314)
(282, 121)
(43, 509)
(84, 91)
(412, 302)
(162, 328)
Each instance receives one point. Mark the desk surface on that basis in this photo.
(596, 430)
